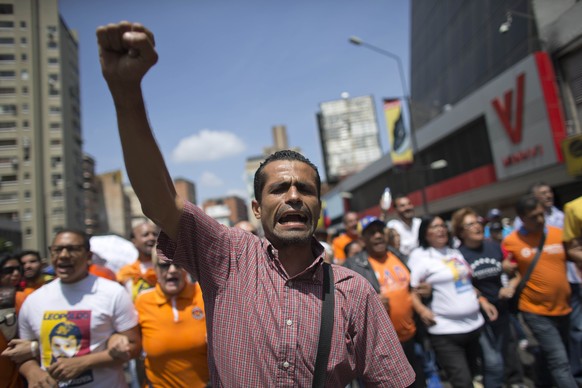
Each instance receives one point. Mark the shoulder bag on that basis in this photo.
(513, 302)
(326, 327)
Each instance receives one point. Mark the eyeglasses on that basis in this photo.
(164, 266)
(57, 249)
(10, 270)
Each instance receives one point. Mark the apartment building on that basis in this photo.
(41, 181)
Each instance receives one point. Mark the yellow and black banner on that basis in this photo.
(398, 134)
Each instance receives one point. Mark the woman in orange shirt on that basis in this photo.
(173, 328)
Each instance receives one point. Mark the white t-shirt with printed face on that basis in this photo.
(408, 235)
(454, 302)
(71, 320)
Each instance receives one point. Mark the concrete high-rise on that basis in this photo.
(40, 125)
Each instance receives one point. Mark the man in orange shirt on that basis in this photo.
(140, 275)
(544, 300)
(173, 327)
(32, 271)
(391, 280)
(351, 234)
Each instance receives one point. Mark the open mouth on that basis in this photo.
(293, 218)
(175, 280)
(64, 267)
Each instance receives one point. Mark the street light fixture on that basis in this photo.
(506, 25)
(359, 42)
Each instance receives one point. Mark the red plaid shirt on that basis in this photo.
(263, 327)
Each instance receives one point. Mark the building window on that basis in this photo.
(25, 124)
(24, 75)
(7, 109)
(23, 41)
(52, 44)
(6, 40)
(25, 108)
(54, 126)
(54, 110)
(7, 74)
(27, 215)
(57, 194)
(6, 9)
(9, 178)
(7, 91)
(23, 57)
(8, 197)
(7, 57)
(6, 24)
(55, 142)
(7, 125)
(26, 176)
(25, 90)
(55, 161)
(7, 143)
(22, 24)
(56, 179)
(53, 61)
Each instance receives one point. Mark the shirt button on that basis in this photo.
(289, 322)
(286, 365)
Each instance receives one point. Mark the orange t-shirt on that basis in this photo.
(140, 281)
(174, 337)
(338, 245)
(394, 279)
(101, 271)
(547, 291)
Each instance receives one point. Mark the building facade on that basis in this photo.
(227, 210)
(349, 136)
(114, 204)
(504, 127)
(40, 125)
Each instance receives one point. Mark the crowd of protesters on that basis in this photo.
(410, 302)
(448, 298)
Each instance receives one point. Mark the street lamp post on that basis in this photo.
(359, 42)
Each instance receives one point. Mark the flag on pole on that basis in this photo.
(398, 134)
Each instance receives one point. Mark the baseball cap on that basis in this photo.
(367, 221)
(494, 213)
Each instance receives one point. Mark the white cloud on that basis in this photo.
(210, 180)
(207, 145)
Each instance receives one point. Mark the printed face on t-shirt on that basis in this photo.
(64, 346)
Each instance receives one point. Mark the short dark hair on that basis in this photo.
(425, 222)
(7, 256)
(526, 204)
(259, 182)
(398, 196)
(78, 232)
(536, 186)
(29, 252)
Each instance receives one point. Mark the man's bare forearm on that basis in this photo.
(144, 163)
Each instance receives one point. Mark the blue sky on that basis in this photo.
(230, 70)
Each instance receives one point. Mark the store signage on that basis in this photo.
(504, 111)
(523, 117)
